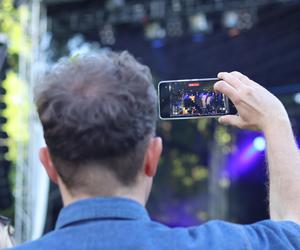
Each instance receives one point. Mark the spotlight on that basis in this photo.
(199, 23)
(242, 19)
(297, 98)
(230, 19)
(259, 143)
(154, 30)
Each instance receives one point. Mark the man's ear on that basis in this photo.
(152, 156)
(45, 158)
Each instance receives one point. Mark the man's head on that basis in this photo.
(98, 113)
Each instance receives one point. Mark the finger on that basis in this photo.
(231, 79)
(226, 89)
(241, 77)
(233, 120)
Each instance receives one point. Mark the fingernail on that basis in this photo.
(220, 74)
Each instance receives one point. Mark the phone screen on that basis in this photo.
(182, 99)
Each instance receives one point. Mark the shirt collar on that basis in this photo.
(101, 208)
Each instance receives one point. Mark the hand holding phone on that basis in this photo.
(192, 98)
(258, 108)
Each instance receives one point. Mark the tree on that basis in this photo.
(15, 98)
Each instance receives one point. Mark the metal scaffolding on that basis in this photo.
(31, 181)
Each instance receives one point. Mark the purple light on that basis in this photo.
(250, 147)
(248, 154)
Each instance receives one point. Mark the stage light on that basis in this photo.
(241, 20)
(138, 12)
(157, 9)
(154, 31)
(107, 36)
(297, 98)
(230, 19)
(249, 151)
(199, 23)
(174, 26)
(259, 143)
(245, 20)
(115, 4)
(176, 6)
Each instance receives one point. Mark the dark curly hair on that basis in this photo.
(97, 109)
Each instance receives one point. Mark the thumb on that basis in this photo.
(233, 120)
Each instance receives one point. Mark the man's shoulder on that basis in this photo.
(152, 235)
(49, 241)
(114, 235)
(280, 234)
(266, 234)
(218, 234)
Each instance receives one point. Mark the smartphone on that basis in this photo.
(192, 98)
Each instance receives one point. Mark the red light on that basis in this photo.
(194, 84)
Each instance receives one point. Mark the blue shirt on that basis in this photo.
(117, 223)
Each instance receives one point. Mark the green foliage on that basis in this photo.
(11, 27)
(17, 113)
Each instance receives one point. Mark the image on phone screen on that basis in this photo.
(191, 99)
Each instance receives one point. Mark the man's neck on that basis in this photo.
(132, 193)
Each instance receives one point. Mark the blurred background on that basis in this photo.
(207, 171)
